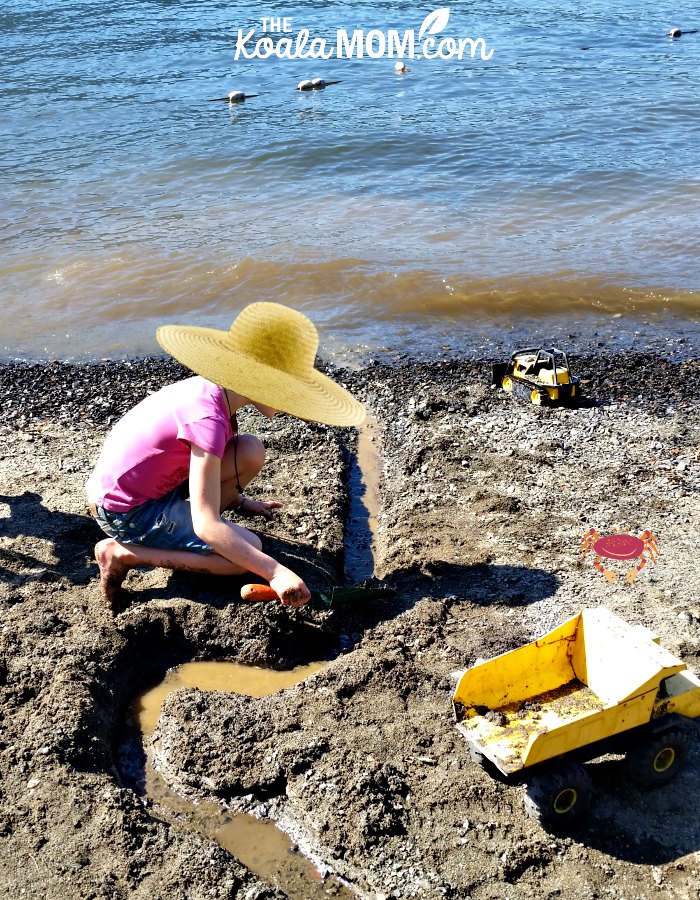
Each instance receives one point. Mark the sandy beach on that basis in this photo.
(484, 501)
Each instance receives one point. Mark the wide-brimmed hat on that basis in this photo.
(267, 356)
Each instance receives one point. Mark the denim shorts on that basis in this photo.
(165, 522)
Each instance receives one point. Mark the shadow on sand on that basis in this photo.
(650, 827)
(71, 538)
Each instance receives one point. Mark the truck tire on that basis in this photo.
(559, 796)
(521, 391)
(574, 399)
(657, 759)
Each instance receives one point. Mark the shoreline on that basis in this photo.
(435, 333)
(104, 390)
(484, 501)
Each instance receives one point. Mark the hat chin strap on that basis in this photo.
(234, 426)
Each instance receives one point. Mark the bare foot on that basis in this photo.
(110, 556)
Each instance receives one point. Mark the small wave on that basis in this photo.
(353, 301)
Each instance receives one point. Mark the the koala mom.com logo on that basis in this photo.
(280, 40)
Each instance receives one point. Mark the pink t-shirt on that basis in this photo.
(147, 453)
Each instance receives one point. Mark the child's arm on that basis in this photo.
(226, 538)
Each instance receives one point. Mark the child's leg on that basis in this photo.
(249, 459)
(115, 559)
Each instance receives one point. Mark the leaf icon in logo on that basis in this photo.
(434, 21)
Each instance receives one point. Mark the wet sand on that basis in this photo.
(483, 505)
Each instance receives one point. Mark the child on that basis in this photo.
(175, 462)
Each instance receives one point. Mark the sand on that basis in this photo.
(484, 502)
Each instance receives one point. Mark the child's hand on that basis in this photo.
(264, 508)
(290, 588)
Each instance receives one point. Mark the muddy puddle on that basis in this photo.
(224, 675)
(256, 842)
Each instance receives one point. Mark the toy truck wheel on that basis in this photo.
(558, 797)
(574, 398)
(657, 759)
(507, 383)
(538, 398)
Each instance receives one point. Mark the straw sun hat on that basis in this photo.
(268, 357)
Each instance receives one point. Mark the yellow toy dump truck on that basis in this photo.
(594, 685)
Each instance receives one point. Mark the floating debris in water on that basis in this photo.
(314, 84)
(234, 97)
(677, 32)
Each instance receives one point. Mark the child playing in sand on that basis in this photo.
(175, 462)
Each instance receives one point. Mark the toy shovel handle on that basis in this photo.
(254, 593)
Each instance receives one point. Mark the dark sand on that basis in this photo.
(484, 504)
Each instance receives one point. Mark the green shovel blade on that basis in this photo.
(348, 596)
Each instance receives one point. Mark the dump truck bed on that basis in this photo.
(505, 734)
(591, 678)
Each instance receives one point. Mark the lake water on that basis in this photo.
(549, 190)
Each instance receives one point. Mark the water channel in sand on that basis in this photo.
(257, 843)
(363, 485)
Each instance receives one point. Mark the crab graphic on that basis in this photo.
(620, 545)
